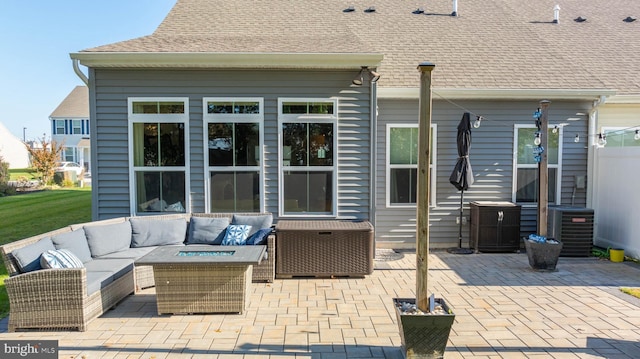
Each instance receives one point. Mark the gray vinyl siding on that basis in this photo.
(491, 159)
(112, 87)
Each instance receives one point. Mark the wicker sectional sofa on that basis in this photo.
(69, 298)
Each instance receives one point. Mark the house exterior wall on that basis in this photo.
(110, 89)
(13, 150)
(618, 115)
(74, 148)
(492, 160)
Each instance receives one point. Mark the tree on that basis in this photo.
(44, 158)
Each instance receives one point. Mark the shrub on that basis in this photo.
(68, 183)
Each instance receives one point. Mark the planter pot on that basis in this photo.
(543, 256)
(424, 335)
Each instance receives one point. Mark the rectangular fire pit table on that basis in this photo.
(202, 278)
(324, 248)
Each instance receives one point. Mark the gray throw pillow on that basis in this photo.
(28, 257)
(108, 238)
(75, 242)
(257, 222)
(204, 230)
(157, 232)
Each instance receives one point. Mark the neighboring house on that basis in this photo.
(70, 126)
(13, 150)
(251, 106)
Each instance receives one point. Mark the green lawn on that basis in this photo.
(29, 214)
(16, 173)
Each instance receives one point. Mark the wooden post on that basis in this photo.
(543, 172)
(422, 192)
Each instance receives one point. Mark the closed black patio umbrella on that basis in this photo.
(462, 175)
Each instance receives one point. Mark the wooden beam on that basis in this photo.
(422, 206)
(543, 171)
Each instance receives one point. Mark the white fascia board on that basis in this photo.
(227, 60)
(493, 94)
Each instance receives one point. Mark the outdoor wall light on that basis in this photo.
(365, 71)
(476, 123)
(602, 140)
(537, 140)
(637, 135)
(555, 129)
(577, 138)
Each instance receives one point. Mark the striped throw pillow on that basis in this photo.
(61, 258)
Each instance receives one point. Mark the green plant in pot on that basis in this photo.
(425, 321)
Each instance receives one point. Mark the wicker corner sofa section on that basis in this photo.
(60, 299)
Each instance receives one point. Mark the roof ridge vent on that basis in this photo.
(370, 9)
(579, 19)
(629, 19)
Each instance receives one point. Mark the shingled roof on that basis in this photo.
(491, 44)
(75, 105)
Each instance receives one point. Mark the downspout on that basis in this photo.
(373, 155)
(591, 145)
(81, 75)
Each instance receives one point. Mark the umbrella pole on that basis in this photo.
(459, 249)
(461, 216)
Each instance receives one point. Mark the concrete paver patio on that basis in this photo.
(503, 310)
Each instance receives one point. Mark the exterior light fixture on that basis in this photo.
(637, 135)
(555, 129)
(476, 123)
(602, 140)
(370, 74)
(537, 140)
(577, 138)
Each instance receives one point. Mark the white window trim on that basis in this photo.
(237, 118)
(432, 165)
(63, 127)
(158, 118)
(514, 184)
(308, 118)
(73, 127)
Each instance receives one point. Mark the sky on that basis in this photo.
(36, 38)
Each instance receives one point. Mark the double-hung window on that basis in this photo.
(60, 127)
(76, 127)
(234, 140)
(158, 152)
(402, 165)
(525, 184)
(308, 156)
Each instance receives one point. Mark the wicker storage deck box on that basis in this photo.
(324, 248)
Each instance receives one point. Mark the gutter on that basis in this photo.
(241, 60)
(81, 75)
